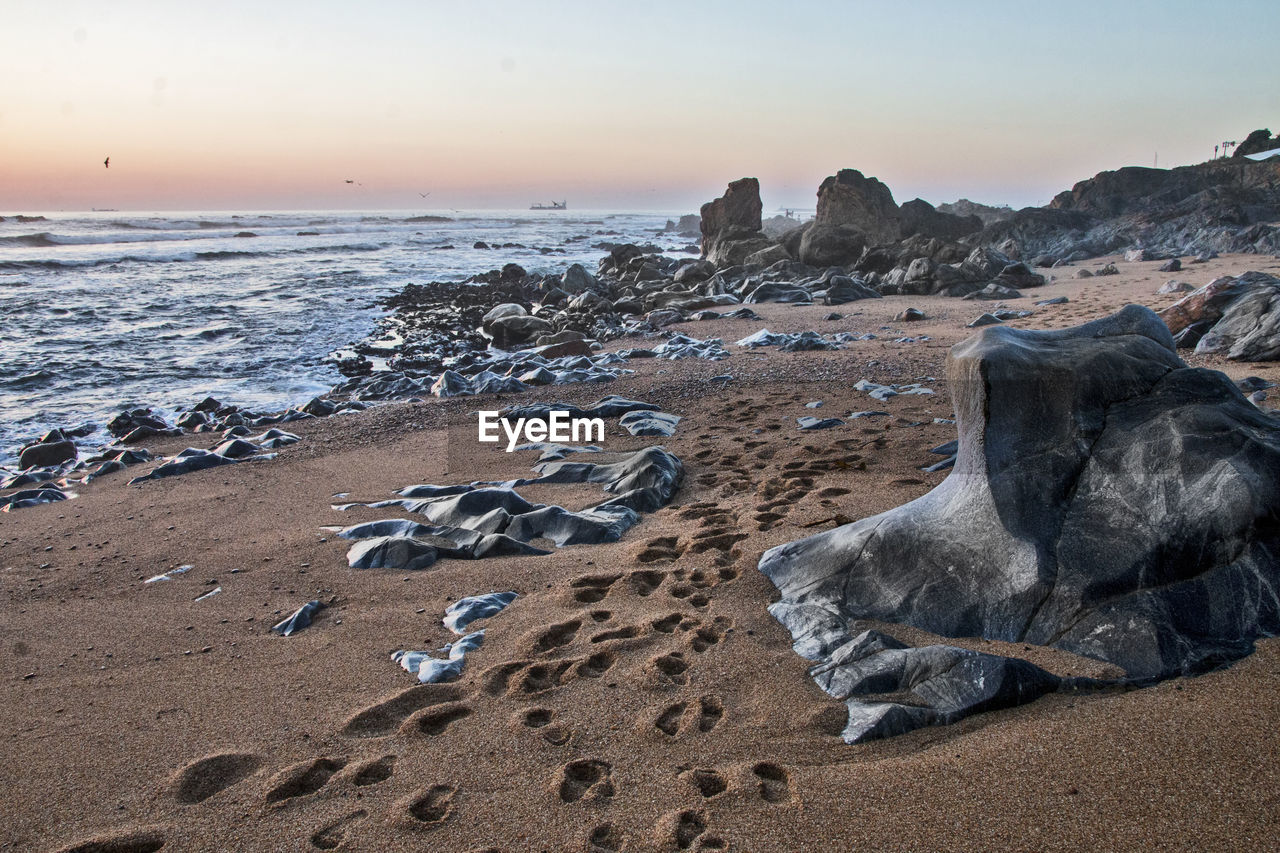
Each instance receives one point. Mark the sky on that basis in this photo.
(610, 105)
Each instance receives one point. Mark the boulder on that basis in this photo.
(1106, 500)
(576, 279)
(830, 245)
(1249, 329)
(513, 331)
(47, 453)
(770, 255)
(850, 199)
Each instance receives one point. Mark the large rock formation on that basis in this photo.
(731, 224)
(919, 217)
(1223, 205)
(849, 198)
(1257, 142)
(1238, 317)
(1106, 500)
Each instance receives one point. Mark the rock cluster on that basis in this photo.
(1238, 317)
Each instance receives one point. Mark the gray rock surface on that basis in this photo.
(1129, 515)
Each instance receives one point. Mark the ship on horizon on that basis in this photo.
(555, 205)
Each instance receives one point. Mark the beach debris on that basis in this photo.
(464, 611)
(299, 619)
(1094, 546)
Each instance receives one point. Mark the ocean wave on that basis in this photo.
(183, 257)
(44, 238)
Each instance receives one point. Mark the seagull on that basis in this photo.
(424, 195)
(106, 164)
(349, 182)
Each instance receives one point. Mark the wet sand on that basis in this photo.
(637, 696)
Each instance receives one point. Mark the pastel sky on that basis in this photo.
(637, 105)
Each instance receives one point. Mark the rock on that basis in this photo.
(1108, 269)
(649, 423)
(1083, 273)
(46, 454)
(910, 315)
(730, 225)
(994, 291)
(299, 619)
(919, 217)
(1057, 300)
(464, 611)
(664, 317)
(499, 312)
(576, 279)
(849, 199)
(1136, 255)
(1107, 500)
(1171, 265)
(1172, 286)
(830, 245)
(1204, 305)
(814, 423)
(765, 257)
(841, 289)
(1249, 329)
(984, 320)
(513, 331)
(694, 271)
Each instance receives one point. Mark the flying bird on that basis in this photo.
(349, 182)
(424, 195)
(106, 164)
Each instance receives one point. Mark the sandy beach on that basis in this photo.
(636, 696)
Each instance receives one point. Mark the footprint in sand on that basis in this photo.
(373, 771)
(331, 835)
(434, 806)
(606, 838)
(131, 840)
(586, 779)
(386, 716)
(557, 636)
(702, 717)
(203, 778)
(706, 781)
(435, 721)
(592, 588)
(302, 779)
(671, 668)
(643, 583)
(774, 783)
(686, 830)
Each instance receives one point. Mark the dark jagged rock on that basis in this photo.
(33, 497)
(809, 422)
(1249, 328)
(299, 619)
(483, 520)
(848, 198)
(1128, 514)
(919, 217)
(649, 423)
(730, 225)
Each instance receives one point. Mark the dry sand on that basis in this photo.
(637, 694)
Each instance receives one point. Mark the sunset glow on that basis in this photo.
(653, 106)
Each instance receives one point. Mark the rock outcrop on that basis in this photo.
(1106, 500)
(731, 224)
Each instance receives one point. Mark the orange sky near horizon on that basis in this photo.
(500, 104)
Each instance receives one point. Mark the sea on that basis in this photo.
(109, 310)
